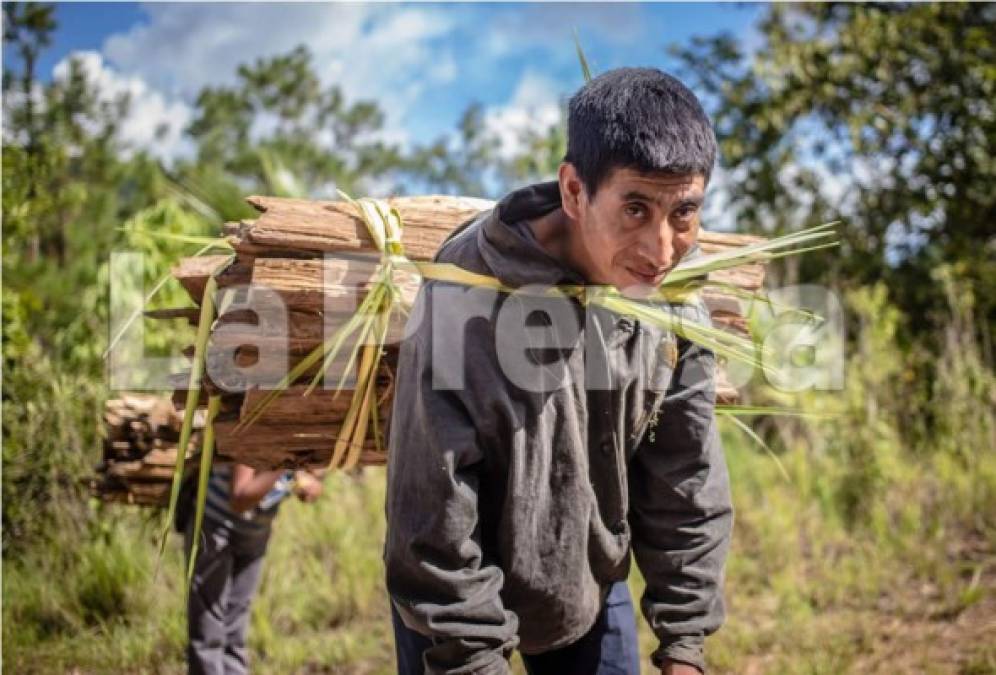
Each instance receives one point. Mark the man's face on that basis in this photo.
(637, 227)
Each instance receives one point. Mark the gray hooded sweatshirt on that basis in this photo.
(535, 441)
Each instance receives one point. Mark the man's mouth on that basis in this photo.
(651, 279)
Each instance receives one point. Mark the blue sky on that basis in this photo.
(424, 63)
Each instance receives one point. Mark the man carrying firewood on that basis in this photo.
(536, 439)
(239, 510)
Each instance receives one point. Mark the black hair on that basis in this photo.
(639, 118)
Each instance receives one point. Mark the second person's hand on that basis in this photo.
(307, 488)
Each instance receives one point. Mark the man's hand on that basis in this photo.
(675, 668)
(307, 488)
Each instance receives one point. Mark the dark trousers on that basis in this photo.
(609, 648)
(226, 574)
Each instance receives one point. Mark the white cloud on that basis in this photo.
(149, 110)
(444, 70)
(534, 105)
(388, 53)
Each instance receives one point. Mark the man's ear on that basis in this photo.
(572, 190)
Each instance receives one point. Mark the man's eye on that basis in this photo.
(635, 210)
(685, 212)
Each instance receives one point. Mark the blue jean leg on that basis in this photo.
(408, 646)
(609, 648)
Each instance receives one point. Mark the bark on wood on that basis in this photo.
(140, 450)
(322, 406)
(301, 458)
(331, 285)
(328, 226)
(282, 446)
(193, 273)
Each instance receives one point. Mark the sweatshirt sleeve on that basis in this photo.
(437, 575)
(681, 513)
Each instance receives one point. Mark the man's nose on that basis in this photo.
(658, 245)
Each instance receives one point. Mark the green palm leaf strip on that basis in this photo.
(585, 70)
(204, 322)
(753, 296)
(760, 252)
(723, 344)
(207, 242)
(750, 410)
(207, 458)
(757, 439)
(450, 273)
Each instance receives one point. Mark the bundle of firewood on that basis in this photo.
(140, 446)
(282, 252)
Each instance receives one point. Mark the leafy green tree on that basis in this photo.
(283, 95)
(463, 163)
(27, 27)
(264, 133)
(881, 115)
(543, 151)
(475, 160)
(67, 191)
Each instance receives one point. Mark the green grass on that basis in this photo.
(805, 594)
(99, 609)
